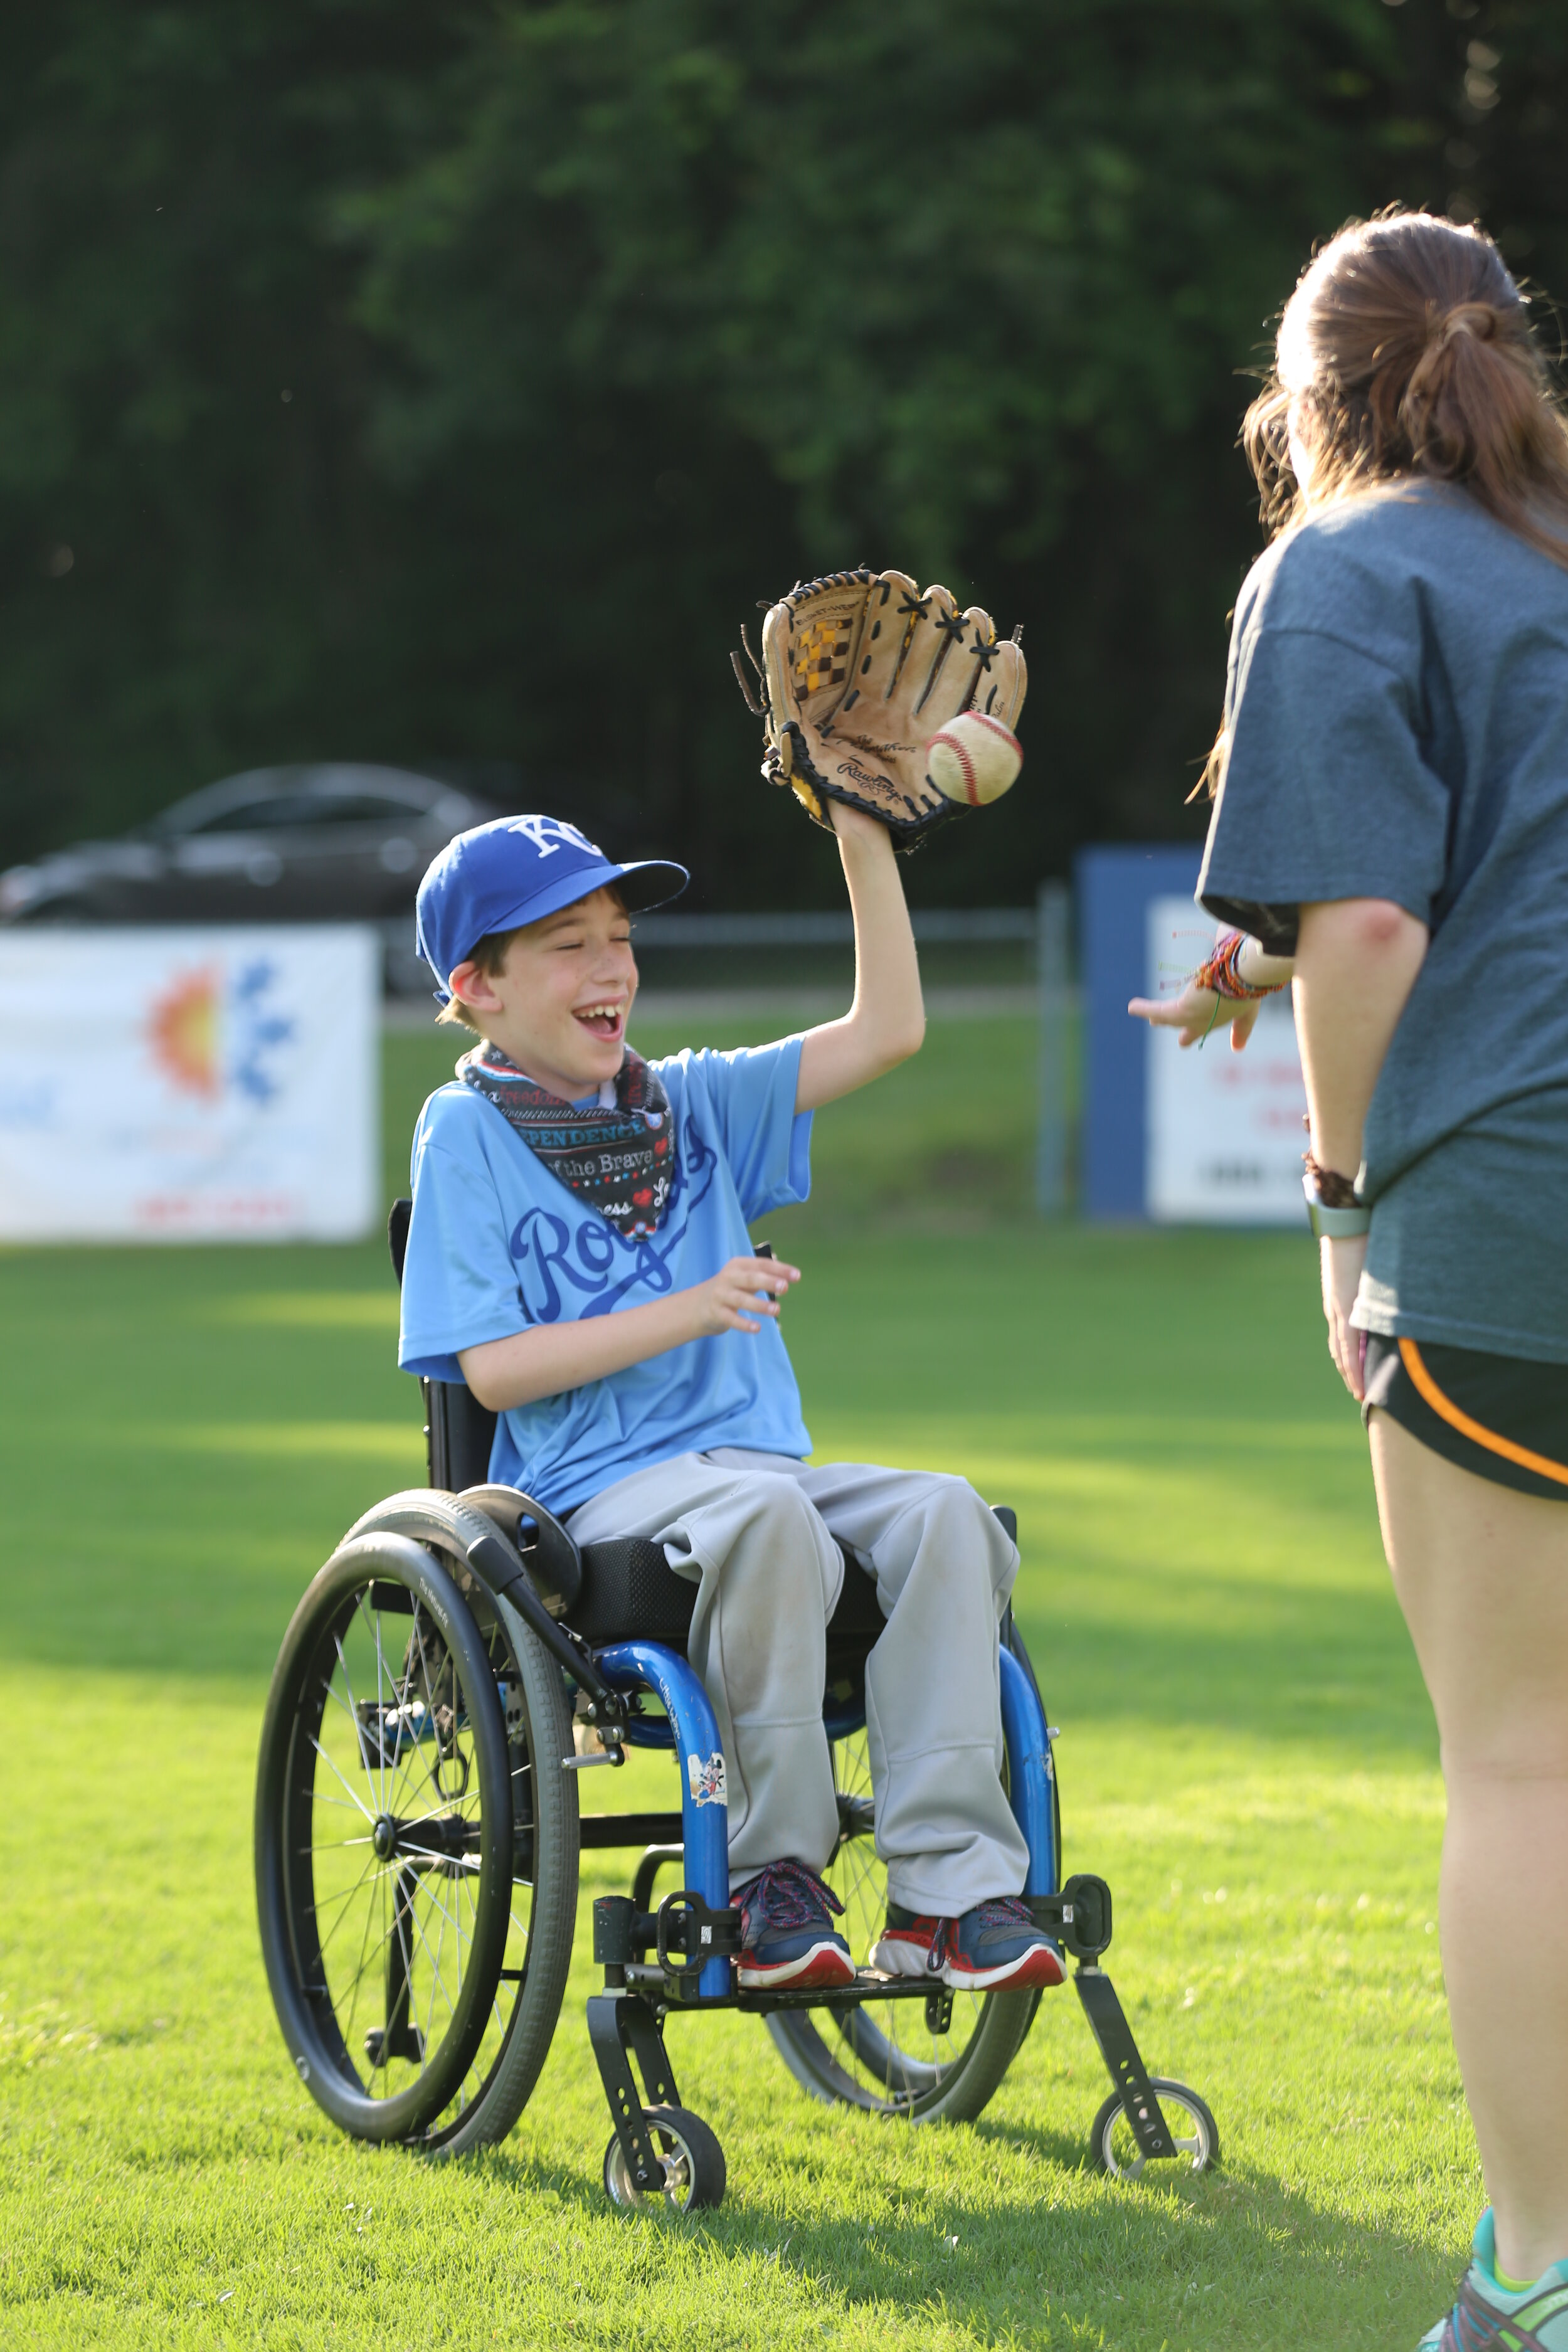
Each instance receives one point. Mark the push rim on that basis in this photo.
(532, 1977)
(385, 1846)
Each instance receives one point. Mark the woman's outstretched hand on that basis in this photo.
(1197, 1010)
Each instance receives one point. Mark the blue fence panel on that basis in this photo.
(1114, 887)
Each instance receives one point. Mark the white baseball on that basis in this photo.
(974, 759)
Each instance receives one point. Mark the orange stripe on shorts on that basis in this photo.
(1445, 1407)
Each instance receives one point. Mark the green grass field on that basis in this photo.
(1246, 1755)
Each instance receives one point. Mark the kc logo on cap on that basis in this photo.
(549, 833)
(517, 870)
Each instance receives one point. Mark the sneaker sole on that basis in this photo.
(1036, 1971)
(825, 1964)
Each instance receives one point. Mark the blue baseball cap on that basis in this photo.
(518, 869)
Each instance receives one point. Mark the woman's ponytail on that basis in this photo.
(1472, 406)
(1405, 350)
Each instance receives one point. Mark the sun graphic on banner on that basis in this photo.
(181, 1028)
(212, 1031)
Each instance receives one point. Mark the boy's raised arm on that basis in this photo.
(886, 1023)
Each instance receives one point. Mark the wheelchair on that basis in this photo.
(448, 1677)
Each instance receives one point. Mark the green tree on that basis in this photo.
(449, 385)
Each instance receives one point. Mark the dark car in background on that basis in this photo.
(334, 842)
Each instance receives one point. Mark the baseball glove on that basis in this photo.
(859, 673)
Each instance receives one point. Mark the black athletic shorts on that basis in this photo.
(1501, 1416)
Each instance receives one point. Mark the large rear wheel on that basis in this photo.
(383, 1838)
(419, 1997)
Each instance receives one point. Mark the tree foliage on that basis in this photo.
(447, 385)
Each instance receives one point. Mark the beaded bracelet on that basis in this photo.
(1222, 974)
(1334, 1190)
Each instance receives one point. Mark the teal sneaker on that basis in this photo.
(1487, 2318)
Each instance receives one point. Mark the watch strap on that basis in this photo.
(1333, 1224)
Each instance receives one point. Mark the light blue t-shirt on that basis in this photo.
(497, 1244)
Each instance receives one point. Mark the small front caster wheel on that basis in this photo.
(1115, 2148)
(692, 2158)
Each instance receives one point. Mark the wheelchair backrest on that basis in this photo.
(458, 1430)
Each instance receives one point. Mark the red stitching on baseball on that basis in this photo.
(964, 761)
(987, 719)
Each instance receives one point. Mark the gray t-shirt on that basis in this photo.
(1397, 702)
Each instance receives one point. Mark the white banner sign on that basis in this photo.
(1224, 1131)
(189, 1085)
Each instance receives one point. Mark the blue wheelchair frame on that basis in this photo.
(692, 1731)
(695, 1933)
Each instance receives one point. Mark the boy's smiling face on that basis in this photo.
(560, 1003)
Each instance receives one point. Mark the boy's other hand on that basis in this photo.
(729, 1300)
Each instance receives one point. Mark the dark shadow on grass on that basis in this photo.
(1225, 2258)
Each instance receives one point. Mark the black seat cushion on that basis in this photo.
(858, 1617)
(631, 1593)
(852, 1630)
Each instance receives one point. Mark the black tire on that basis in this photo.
(383, 1838)
(525, 2003)
(1113, 2148)
(694, 2167)
(893, 2057)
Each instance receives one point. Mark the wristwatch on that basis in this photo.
(1332, 1224)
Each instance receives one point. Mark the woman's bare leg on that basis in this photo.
(1482, 1572)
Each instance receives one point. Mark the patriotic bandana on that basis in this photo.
(618, 1154)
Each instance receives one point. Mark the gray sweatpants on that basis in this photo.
(756, 1532)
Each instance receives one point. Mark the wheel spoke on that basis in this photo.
(353, 1715)
(364, 1942)
(435, 1903)
(368, 1959)
(363, 1809)
(435, 1981)
(345, 1896)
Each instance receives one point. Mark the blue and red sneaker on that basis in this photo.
(787, 1937)
(995, 1947)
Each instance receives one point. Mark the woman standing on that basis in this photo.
(1391, 829)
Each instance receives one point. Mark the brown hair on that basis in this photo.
(1406, 350)
(490, 956)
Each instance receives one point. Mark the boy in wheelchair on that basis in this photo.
(578, 1253)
